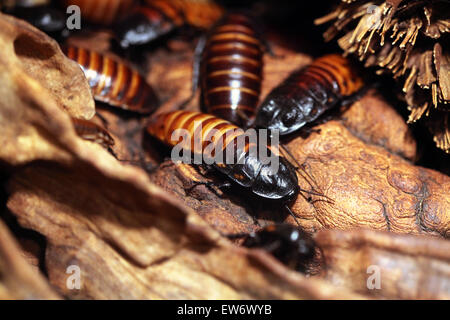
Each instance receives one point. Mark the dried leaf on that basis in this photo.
(408, 267)
(17, 279)
(27, 50)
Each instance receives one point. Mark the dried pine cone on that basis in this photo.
(405, 38)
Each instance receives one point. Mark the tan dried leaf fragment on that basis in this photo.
(386, 265)
(37, 84)
(29, 51)
(17, 279)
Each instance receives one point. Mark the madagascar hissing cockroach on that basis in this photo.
(91, 131)
(113, 82)
(156, 18)
(102, 12)
(231, 69)
(308, 93)
(11, 4)
(39, 13)
(247, 169)
(293, 246)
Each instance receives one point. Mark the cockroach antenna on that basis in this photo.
(305, 176)
(292, 214)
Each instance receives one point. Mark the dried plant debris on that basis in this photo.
(131, 241)
(30, 94)
(29, 52)
(387, 266)
(18, 280)
(408, 40)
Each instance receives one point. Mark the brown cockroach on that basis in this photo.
(308, 93)
(102, 12)
(231, 69)
(156, 18)
(113, 82)
(248, 170)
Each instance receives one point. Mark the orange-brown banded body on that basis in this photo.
(156, 18)
(291, 245)
(246, 168)
(231, 69)
(103, 12)
(90, 131)
(308, 93)
(113, 82)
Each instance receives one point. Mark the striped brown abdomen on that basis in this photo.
(232, 153)
(203, 129)
(113, 82)
(231, 69)
(104, 12)
(308, 93)
(332, 72)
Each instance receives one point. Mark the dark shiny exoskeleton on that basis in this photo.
(308, 93)
(102, 12)
(41, 15)
(231, 69)
(246, 170)
(291, 245)
(157, 18)
(142, 26)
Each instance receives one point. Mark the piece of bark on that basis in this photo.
(26, 97)
(369, 186)
(30, 51)
(407, 267)
(17, 279)
(374, 121)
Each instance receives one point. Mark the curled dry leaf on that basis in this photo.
(129, 238)
(34, 72)
(28, 51)
(386, 265)
(17, 279)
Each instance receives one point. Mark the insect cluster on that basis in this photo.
(228, 69)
